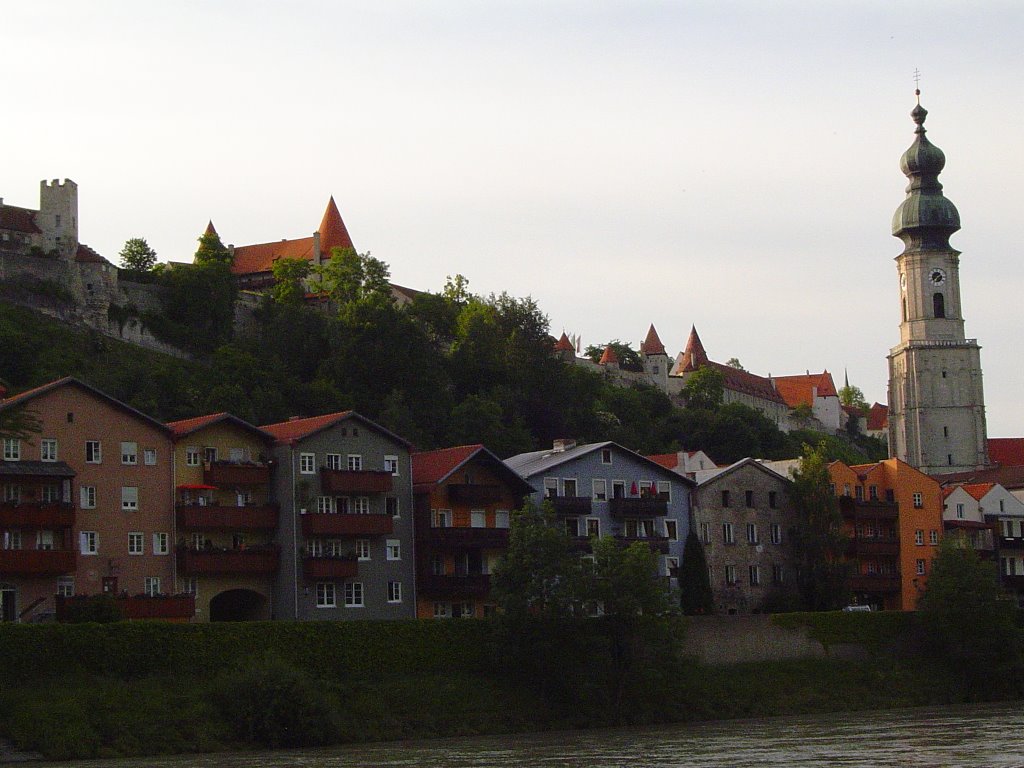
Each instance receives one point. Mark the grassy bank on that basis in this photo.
(134, 689)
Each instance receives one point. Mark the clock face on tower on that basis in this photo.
(903, 281)
(937, 276)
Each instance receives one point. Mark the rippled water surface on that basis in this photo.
(916, 738)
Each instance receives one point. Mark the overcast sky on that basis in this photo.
(729, 165)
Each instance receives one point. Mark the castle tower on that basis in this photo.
(58, 216)
(936, 402)
(656, 361)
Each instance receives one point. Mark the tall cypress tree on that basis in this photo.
(694, 582)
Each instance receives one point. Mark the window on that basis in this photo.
(755, 575)
(777, 574)
(873, 492)
(572, 526)
(705, 533)
(93, 452)
(193, 458)
(671, 566)
(890, 495)
(550, 487)
(939, 305)
(333, 460)
(48, 449)
(725, 498)
(135, 546)
(606, 456)
(600, 490)
(361, 505)
(727, 533)
(442, 610)
(341, 504)
(477, 519)
(618, 489)
(569, 487)
(918, 500)
(151, 585)
(89, 542)
(87, 497)
(672, 529)
(129, 498)
(315, 547)
(190, 586)
(859, 493)
(748, 498)
(933, 537)
(12, 449)
(776, 533)
(391, 464)
(773, 499)
(307, 463)
(326, 505)
(1001, 505)
(441, 518)
(846, 489)
(149, 457)
(12, 539)
(325, 595)
(394, 549)
(593, 527)
(730, 574)
(752, 533)
(130, 453)
(919, 567)
(209, 454)
(362, 549)
(353, 594)
(501, 518)
(49, 494)
(945, 431)
(66, 586)
(355, 464)
(161, 544)
(436, 565)
(391, 506)
(646, 489)
(919, 537)
(665, 490)
(394, 591)
(960, 511)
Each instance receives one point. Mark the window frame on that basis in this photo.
(354, 594)
(307, 463)
(48, 449)
(93, 451)
(129, 453)
(136, 543)
(326, 594)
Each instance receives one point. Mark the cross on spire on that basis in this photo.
(917, 84)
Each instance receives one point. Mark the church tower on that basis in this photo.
(936, 402)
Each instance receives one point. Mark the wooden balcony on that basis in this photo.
(37, 515)
(262, 561)
(470, 585)
(466, 493)
(217, 518)
(160, 607)
(350, 481)
(638, 507)
(327, 568)
(875, 547)
(571, 505)
(456, 538)
(347, 525)
(874, 583)
(226, 474)
(851, 509)
(658, 544)
(36, 562)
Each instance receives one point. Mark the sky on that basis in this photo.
(729, 165)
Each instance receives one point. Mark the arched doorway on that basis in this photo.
(238, 605)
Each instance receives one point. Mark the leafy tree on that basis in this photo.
(212, 251)
(734, 362)
(19, 422)
(456, 289)
(852, 397)
(348, 277)
(625, 580)
(704, 389)
(137, 256)
(818, 540)
(289, 281)
(695, 593)
(199, 305)
(629, 358)
(802, 412)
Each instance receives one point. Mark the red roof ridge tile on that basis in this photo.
(652, 344)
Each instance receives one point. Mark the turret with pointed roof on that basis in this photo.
(609, 358)
(693, 355)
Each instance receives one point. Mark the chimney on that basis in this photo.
(563, 444)
(317, 256)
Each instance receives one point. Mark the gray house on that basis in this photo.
(346, 533)
(603, 489)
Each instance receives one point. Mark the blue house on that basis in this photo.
(603, 489)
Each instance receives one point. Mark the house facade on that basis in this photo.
(226, 517)
(464, 497)
(603, 489)
(744, 517)
(345, 530)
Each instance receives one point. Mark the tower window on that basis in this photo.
(949, 458)
(939, 304)
(945, 431)
(904, 309)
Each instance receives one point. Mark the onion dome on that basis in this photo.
(925, 218)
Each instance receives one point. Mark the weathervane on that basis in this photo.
(917, 85)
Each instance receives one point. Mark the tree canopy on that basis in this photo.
(137, 256)
(629, 358)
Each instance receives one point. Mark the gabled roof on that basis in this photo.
(800, 390)
(667, 460)
(652, 344)
(188, 426)
(609, 357)
(86, 255)
(713, 474)
(70, 381)
(296, 429)
(528, 465)
(432, 467)
(693, 355)
(1008, 476)
(1008, 451)
(563, 344)
(878, 417)
(18, 219)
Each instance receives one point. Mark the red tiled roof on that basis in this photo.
(878, 417)
(609, 356)
(693, 356)
(799, 390)
(184, 426)
(652, 344)
(749, 383)
(1010, 476)
(333, 233)
(432, 466)
(295, 429)
(667, 460)
(563, 344)
(86, 255)
(1008, 451)
(18, 219)
(978, 490)
(210, 229)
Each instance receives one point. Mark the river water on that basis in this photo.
(983, 735)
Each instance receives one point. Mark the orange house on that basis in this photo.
(892, 514)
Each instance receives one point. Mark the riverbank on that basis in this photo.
(136, 689)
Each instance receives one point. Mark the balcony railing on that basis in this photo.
(658, 544)
(470, 585)
(314, 568)
(254, 561)
(874, 509)
(867, 545)
(355, 481)
(1012, 582)
(571, 505)
(466, 493)
(37, 515)
(485, 538)
(637, 507)
(213, 518)
(225, 474)
(1011, 542)
(317, 524)
(36, 562)
(165, 607)
(873, 582)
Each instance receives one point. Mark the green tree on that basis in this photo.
(18, 422)
(625, 580)
(704, 389)
(348, 277)
(695, 593)
(290, 277)
(852, 397)
(137, 256)
(212, 251)
(629, 358)
(734, 362)
(818, 541)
